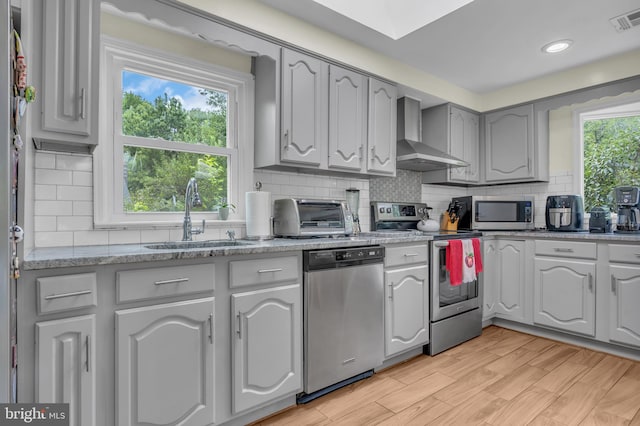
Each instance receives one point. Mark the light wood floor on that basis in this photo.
(500, 378)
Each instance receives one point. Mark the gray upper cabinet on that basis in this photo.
(68, 74)
(381, 152)
(509, 149)
(304, 109)
(455, 131)
(347, 119)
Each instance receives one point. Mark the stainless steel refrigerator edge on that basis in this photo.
(5, 220)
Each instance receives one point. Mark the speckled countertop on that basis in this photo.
(61, 257)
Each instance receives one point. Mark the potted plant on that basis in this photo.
(223, 208)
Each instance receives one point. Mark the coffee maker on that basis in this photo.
(628, 203)
(564, 213)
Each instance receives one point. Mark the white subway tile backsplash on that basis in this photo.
(124, 237)
(90, 238)
(75, 193)
(53, 239)
(54, 177)
(53, 208)
(75, 223)
(45, 192)
(83, 208)
(74, 162)
(45, 223)
(82, 178)
(45, 160)
(157, 235)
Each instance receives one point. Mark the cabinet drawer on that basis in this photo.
(566, 249)
(263, 271)
(624, 253)
(66, 292)
(141, 284)
(405, 255)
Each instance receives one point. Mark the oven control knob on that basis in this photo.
(381, 209)
(388, 209)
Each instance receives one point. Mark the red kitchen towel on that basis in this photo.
(477, 253)
(454, 259)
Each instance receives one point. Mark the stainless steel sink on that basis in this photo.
(174, 245)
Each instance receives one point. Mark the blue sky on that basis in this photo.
(151, 87)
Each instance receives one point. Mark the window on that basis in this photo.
(166, 120)
(610, 152)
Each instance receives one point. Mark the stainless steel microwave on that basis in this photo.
(294, 217)
(496, 212)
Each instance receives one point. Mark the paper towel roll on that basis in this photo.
(258, 205)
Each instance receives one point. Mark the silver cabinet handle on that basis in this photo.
(391, 291)
(87, 342)
(239, 331)
(70, 294)
(360, 153)
(637, 254)
(373, 153)
(286, 139)
(590, 282)
(82, 103)
(264, 271)
(613, 284)
(210, 328)
(173, 281)
(410, 254)
(563, 250)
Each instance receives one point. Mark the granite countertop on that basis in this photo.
(61, 257)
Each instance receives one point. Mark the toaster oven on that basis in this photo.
(294, 217)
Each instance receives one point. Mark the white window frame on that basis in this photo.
(118, 55)
(599, 110)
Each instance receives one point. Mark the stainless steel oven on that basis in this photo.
(455, 309)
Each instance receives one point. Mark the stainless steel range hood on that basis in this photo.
(412, 154)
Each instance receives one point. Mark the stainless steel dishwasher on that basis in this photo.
(343, 317)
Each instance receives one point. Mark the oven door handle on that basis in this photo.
(441, 243)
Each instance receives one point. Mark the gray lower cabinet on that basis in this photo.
(565, 295)
(510, 283)
(406, 310)
(66, 367)
(509, 145)
(267, 345)
(164, 364)
(489, 278)
(624, 294)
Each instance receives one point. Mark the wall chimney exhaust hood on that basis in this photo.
(412, 154)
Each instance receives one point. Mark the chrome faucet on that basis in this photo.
(191, 199)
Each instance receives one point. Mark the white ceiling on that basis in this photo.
(490, 44)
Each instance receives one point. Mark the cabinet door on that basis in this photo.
(267, 345)
(406, 320)
(381, 150)
(66, 368)
(510, 286)
(164, 364)
(66, 66)
(564, 294)
(624, 319)
(464, 128)
(304, 109)
(489, 279)
(347, 119)
(509, 150)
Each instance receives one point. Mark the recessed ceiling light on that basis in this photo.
(393, 18)
(556, 46)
